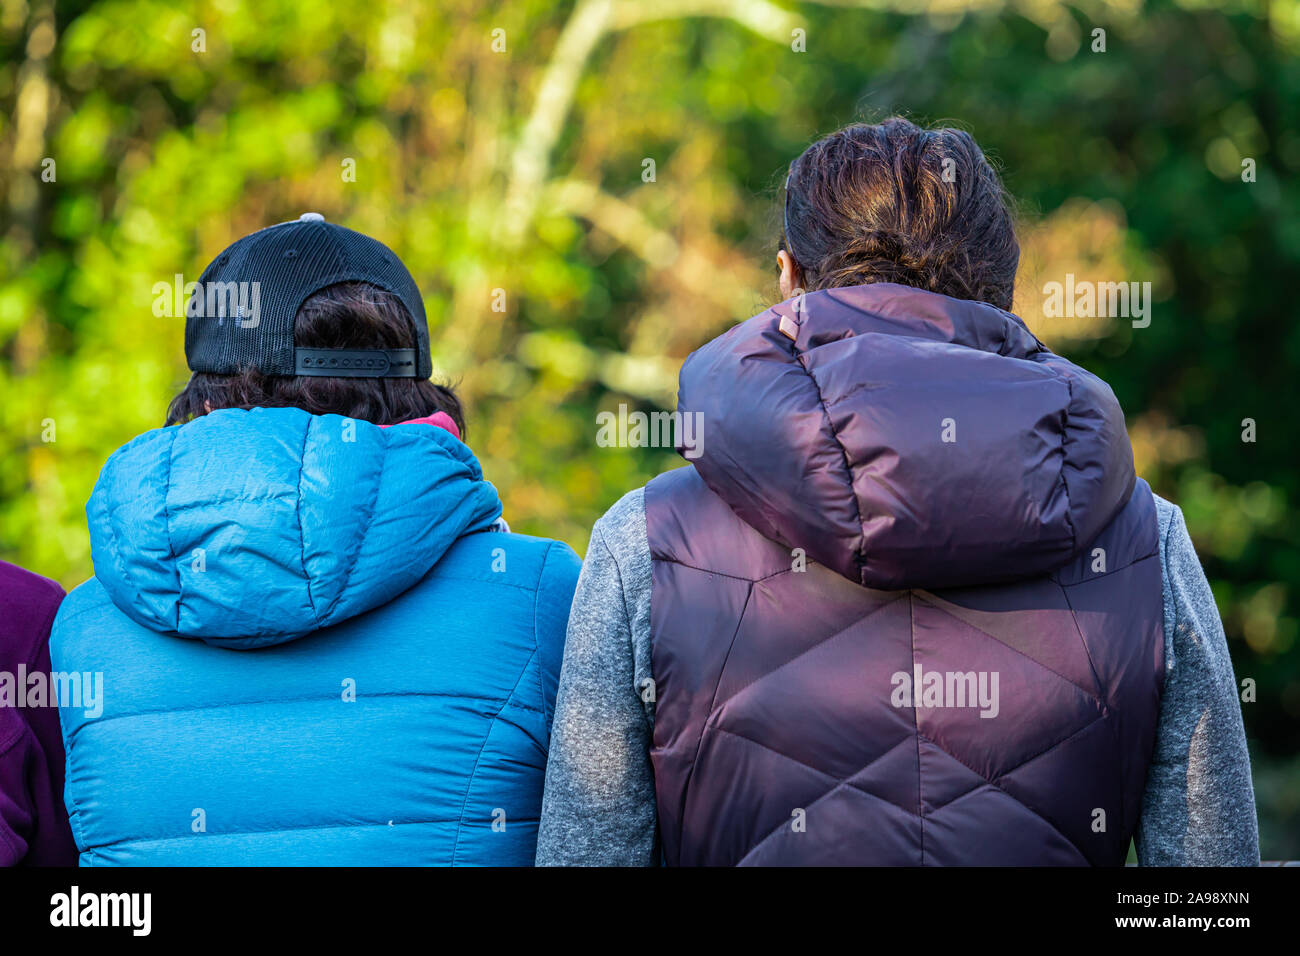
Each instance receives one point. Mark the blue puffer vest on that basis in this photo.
(907, 604)
(314, 650)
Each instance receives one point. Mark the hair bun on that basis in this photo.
(881, 255)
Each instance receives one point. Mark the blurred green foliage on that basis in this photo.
(510, 167)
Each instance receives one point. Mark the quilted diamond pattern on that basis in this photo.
(779, 735)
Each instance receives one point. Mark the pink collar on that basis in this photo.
(437, 420)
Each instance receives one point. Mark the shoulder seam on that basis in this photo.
(1174, 514)
(618, 570)
(598, 532)
(537, 638)
(302, 532)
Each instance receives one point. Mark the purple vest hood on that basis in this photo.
(907, 439)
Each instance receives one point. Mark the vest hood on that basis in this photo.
(252, 528)
(906, 439)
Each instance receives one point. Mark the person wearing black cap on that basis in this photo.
(321, 643)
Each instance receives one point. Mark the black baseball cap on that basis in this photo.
(243, 310)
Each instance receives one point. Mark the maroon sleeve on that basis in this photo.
(34, 827)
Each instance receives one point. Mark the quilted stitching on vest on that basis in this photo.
(773, 696)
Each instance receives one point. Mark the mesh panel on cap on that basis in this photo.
(291, 261)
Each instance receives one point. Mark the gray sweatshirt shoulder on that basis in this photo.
(1199, 805)
(598, 807)
(622, 532)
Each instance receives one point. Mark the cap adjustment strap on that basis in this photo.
(356, 363)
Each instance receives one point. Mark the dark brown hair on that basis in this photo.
(350, 315)
(892, 202)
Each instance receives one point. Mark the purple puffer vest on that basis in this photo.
(907, 603)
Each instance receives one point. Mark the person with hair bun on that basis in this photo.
(908, 604)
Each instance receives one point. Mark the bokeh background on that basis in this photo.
(501, 149)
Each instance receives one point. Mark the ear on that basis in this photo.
(791, 276)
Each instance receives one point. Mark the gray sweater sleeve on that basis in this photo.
(1199, 804)
(598, 808)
